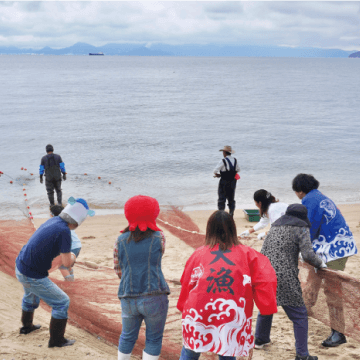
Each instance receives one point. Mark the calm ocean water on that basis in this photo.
(154, 125)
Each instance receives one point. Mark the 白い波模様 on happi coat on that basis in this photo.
(330, 234)
(218, 290)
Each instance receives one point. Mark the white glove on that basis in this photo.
(261, 235)
(245, 233)
(322, 266)
(301, 258)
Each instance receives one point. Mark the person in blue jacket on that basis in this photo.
(53, 167)
(51, 239)
(332, 241)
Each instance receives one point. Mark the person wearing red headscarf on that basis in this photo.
(143, 291)
(219, 285)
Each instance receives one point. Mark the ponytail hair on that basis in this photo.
(265, 198)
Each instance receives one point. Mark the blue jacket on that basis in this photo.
(330, 234)
(140, 264)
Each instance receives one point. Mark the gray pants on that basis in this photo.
(50, 187)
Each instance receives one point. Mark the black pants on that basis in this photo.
(50, 187)
(226, 191)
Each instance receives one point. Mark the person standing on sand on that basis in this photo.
(227, 170)
(33, 262)
(219, 285)
(53, 167)
(288, 236)
(143, 290)
(333, 242)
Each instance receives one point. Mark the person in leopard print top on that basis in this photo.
(289, 236)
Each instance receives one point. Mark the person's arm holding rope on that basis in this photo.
(264, 222)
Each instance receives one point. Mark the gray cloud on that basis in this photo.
(60, 24)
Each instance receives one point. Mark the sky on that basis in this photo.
(59, 24)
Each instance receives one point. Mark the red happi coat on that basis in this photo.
(218, 290)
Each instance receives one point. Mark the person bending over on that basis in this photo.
(270, 210)
(51, 239)
(68, 272)
(288, 236)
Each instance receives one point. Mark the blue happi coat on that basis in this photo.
(330, 234)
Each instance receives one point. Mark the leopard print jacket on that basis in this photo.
(282, 246)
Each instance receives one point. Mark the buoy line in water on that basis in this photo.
(26, 210)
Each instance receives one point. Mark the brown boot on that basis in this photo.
(57, 331)
(27, 321)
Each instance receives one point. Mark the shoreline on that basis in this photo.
(186, 209)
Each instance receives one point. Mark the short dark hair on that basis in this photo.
(56, 209)
(49, 148)
(265, 198)
(221, 230)
(304, 183)
(138, 235)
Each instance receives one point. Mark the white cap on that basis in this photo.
(77, 210)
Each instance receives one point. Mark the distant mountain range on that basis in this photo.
(355, 55)
(185, 50)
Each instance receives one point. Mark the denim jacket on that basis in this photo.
(140, 264)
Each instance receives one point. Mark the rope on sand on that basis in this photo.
(248, 238)
(179, 228)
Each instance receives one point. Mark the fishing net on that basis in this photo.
(333, 298)
(95, 307)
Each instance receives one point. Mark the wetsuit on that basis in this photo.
(53, 166)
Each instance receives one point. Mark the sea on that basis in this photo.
(154, 126)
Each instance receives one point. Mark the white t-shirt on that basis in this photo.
(221, 167)
(75, 241)
(275, 211)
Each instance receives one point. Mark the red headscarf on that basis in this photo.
(142, 211)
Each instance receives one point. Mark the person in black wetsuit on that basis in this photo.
(226, 170)
(53, 167)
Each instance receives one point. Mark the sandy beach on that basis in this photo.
(98, 235)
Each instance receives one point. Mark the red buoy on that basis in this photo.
(22, 168)
(25, 169)
(99, 177)
(31, 174)
(10, 182)
(28, 207)
(85, 174)
(110, 182)
(24, 194)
